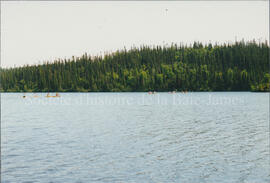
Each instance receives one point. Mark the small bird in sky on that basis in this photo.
(166, 10)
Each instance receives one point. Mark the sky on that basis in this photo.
(34, 32)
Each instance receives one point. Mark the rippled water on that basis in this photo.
(136, 137)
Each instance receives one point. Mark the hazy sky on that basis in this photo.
(32, 32)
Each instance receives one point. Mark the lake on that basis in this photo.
(211, 137)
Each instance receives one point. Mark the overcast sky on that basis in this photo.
(33, 32)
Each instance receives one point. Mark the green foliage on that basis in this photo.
(241, 66)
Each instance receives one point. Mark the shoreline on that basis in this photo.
(133, 92)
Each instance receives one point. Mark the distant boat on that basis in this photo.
(56, 95)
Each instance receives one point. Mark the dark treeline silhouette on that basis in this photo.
(241, 66)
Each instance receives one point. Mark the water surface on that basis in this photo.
(135, 137)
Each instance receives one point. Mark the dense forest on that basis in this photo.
(240, 66)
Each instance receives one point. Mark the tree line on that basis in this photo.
(240, 66)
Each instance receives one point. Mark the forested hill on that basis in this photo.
(241, 66)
